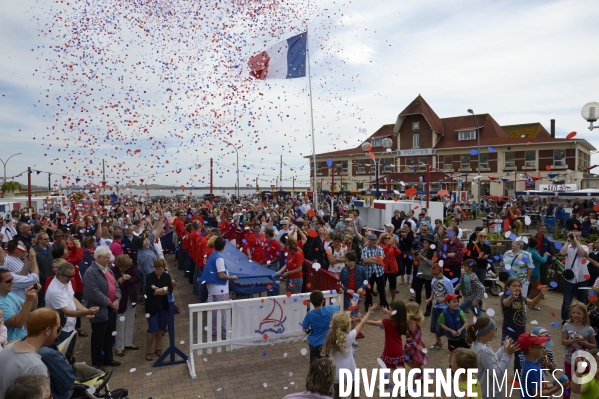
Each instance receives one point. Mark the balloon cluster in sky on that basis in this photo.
(144, 84)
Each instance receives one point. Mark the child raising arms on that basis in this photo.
(395, 325)
(338, 343)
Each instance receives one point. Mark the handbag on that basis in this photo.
(568, 274)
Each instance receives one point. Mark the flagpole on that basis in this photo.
(315, 193)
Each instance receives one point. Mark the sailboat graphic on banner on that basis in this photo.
(275, 320)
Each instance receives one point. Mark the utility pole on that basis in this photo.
(49, 183)
(29, 187)
(211, 196)
(281, 174)
(103, 176)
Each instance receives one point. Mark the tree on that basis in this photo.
(10, 187)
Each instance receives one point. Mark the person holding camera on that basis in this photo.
(16, 309)
(574, 271)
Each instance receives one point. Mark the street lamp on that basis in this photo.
(478, 163)
(4, 163)
(236, 153)
(590, 112)
(367, 147)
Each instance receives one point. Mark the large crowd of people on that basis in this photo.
(98, 259)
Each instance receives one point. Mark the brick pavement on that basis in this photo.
(243, 373)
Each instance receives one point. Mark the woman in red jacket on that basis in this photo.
(391, 250)
(292, 270)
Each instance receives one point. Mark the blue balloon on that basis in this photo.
(513, 236)
(558, 245)
(553, 284)
(491, 149)
(555, 324)
(473, 152)
(329, 162)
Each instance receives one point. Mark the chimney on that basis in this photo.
(552, 128)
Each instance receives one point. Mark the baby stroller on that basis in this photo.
(491, 281)
(90, 382)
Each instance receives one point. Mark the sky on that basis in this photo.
(158, 89)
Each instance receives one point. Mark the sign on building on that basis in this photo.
(557, 187)
(416, 152)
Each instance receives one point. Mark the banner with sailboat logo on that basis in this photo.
(269, 320)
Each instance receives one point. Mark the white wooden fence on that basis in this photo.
(198, 328)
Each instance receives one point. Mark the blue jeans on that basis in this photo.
(142, 280)
(467, 305)
(297, 285)
(569, 290)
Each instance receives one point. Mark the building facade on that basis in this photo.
(511, 158)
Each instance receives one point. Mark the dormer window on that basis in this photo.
(467, 135)
(415, 125)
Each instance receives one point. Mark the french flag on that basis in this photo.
(284, 60)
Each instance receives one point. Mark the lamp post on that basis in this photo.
(4, 163)
(236, 153)
(367, 147)
(478, 163)
(590, 112)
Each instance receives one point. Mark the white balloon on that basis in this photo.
(304, 351)
(490, 312)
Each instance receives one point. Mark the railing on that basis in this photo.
(320, 279)
(200, 333)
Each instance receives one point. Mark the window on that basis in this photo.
(388, 165)
(319, 167)
(508, 188)
(415, 125)
(448, 162)
(422, 163)
(344, 166)
(359, 186)
(530, 159)
(465, 161)
(361, 168)
(559, 157)
(467, 135)
(415, 141)
(510, 160)
(484, 161)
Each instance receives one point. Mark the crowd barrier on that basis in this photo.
(200, 323)
(320, 279)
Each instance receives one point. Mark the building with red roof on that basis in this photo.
(512, 158)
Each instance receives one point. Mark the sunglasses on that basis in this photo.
(7, 281)
(69, 277)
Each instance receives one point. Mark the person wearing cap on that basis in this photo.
(453, 321)
(440, 288)
(490, 363)
(372, 254)
(548, 361)
(532, 375)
